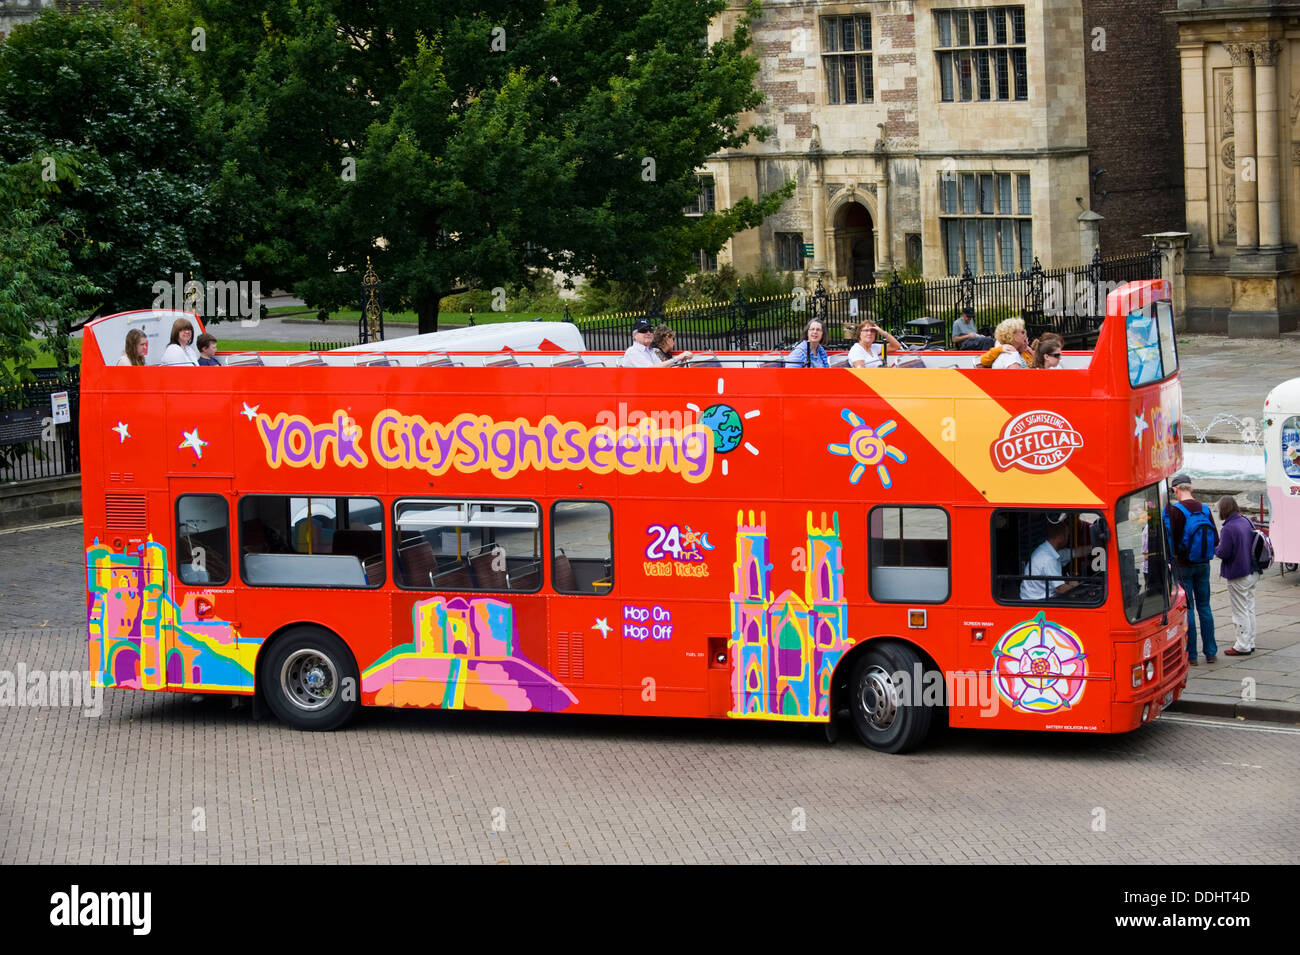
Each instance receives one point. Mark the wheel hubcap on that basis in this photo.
(308, 679)
(879, 698)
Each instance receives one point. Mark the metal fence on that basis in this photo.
(32, 446)
(1070, 301)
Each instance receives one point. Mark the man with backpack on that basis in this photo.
(1193, 538)
(1241, 570)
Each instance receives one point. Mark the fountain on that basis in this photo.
(1241, 460)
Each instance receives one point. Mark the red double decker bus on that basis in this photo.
(544, 530)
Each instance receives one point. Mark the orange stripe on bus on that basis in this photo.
(928, 401)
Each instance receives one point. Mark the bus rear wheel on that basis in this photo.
(310, 680)
(889, 717)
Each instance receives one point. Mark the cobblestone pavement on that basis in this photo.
(133, 784)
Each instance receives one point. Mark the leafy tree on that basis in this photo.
(88, 91)
(39, 289)
(468, 143)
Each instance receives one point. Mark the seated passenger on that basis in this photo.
(208, 349)
(640, 354)
(1047, 561)
(867, 352)
(181, 350)
(809, 353)
(664, 341)
(964, 334)
(137, 346)
(1047, 353)
(1013, 349)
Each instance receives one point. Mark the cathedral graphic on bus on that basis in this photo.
(784, 650)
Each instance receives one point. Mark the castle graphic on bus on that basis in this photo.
(784, 651)
(141, 638)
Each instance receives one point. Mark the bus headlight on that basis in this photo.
(1151, 669)
(1146, 711)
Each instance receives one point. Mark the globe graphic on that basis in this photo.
(726, 426)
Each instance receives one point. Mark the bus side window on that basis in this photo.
(908, 557)
(318, 541)
(477, 545)
(582, 548)
(1049, 556)
(203, 539)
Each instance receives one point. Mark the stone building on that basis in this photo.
(1241, 101)
(944, 133)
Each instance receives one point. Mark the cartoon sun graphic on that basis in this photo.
(867, 447)
(727, 425)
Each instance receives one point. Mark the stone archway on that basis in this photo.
(855, 244)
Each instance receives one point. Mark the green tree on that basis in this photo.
(468, 143)
(39, 289)
(88, 90)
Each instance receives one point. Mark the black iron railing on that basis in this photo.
(32, 446)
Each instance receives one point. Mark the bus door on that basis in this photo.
(584, 617)
(203, 640)
(1046, 634)
(469, 620)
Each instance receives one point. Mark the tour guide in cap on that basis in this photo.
(640, 354)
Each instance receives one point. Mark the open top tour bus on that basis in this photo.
(542, 530)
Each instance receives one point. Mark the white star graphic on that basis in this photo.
(602, 624)
(122, 432)
(192, 440)
(250, 413)
(1140, 425)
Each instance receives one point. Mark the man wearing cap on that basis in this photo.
(964, 334)
(1194, 578)
(641, 353)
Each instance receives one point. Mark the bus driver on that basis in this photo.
(1044, 569)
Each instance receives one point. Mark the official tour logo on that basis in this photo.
(1038, 441)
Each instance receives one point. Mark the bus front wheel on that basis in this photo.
(888, 712)
(310, 680)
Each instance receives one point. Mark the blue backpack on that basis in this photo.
(1197, 545)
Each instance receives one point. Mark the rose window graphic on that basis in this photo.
(1040, 666)
(867, 447)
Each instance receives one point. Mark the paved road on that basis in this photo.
(134, 784)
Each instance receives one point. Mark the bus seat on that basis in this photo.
(376, 360)
(527, 577)
(562, 578)
(416, 563)
(374, 569)
(456, 578)
(247, 358)
(312, 359)
(570, 361)
(840, 361)
(501, 361)
(437, 359)
(773, 360)
(486, 576)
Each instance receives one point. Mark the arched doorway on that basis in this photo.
(855, 244)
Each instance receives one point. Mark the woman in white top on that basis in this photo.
(867, 352)
(181, 351)
(137, 346)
